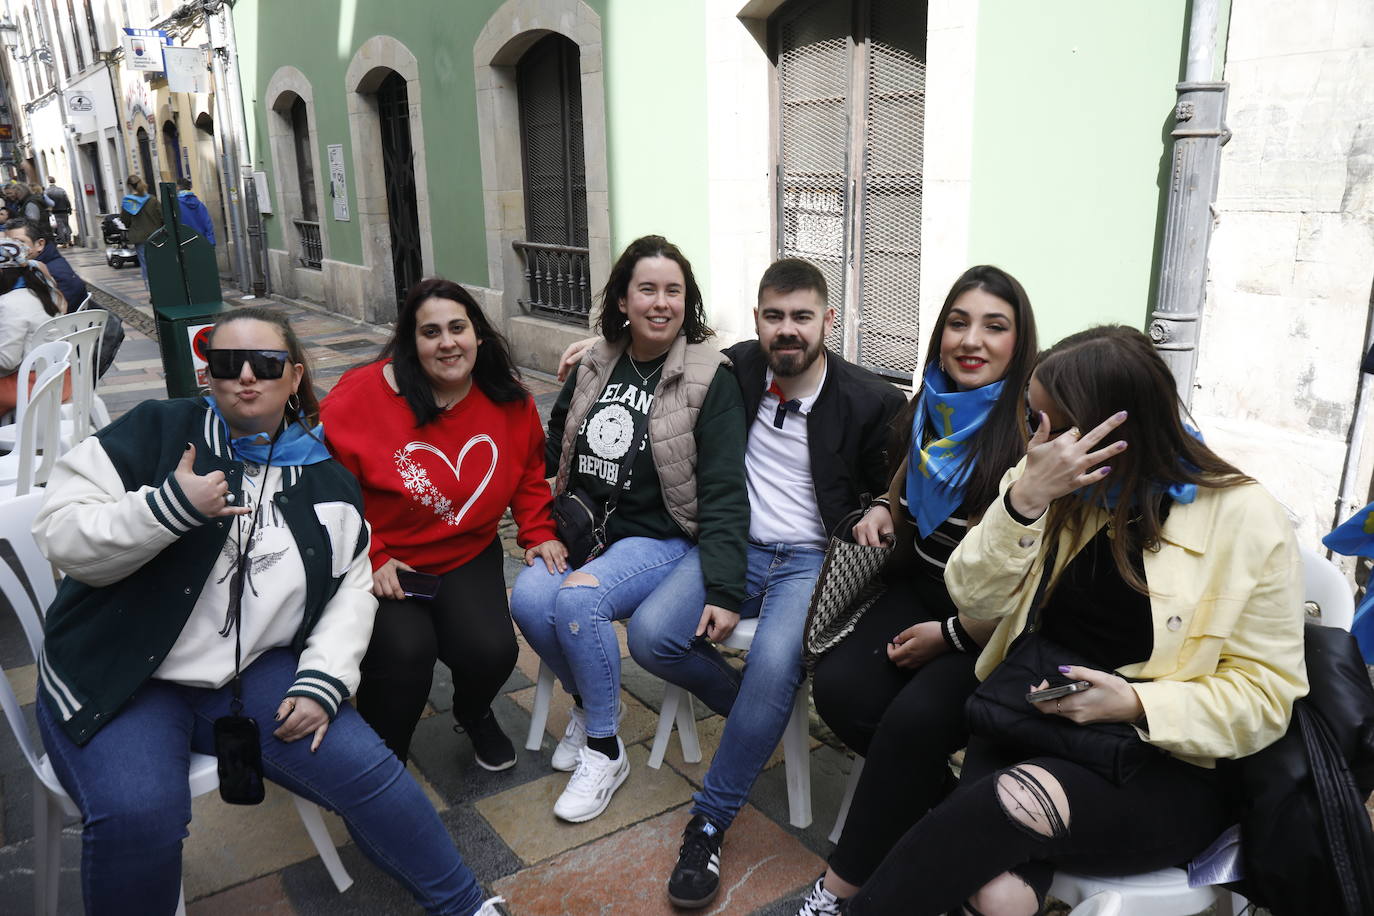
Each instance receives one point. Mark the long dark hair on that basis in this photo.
(1090, 376)
(14, 266)
(613, 325)
(1001, 441)
(493, 370)
(309, 411)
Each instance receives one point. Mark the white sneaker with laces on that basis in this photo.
(592, 784)
(819, 901)
(493, 907)
(575, 739)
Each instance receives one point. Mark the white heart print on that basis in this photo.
(423, 490)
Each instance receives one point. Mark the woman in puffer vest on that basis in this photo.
(648, 438)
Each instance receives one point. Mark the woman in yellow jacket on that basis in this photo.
(1172, 570)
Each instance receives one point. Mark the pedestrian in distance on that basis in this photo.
(217, 578)
(894, 689)
(648, 436)
(142, 215)
(193, 212)
(61, 204)
(443, 437)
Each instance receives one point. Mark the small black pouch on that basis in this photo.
(579, 528)
(239, 751)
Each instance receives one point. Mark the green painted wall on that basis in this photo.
(656, 126)
(655, 65)
(1073, 108)
(319, 38)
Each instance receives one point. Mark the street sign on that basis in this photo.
(143, 49)
(186, 70)
(80, 101)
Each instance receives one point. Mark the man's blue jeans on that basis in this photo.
(130, 783)
(778, 586)
(570, 627)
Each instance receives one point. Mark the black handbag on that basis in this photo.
(998, 709)
(1306, 841)
(849, 582)
(581, 523)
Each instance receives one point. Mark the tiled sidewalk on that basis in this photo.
(259, 861)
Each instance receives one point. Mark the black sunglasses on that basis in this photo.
(266, 364)
(1033, 421)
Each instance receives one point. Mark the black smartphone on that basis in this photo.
(1054, 693)
(418, 584)
(239, 752)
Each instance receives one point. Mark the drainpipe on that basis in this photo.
(1199, 133)
(1350, 499)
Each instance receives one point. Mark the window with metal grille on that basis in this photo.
(557, 269)
(850, 125)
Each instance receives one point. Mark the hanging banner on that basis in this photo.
(338, 182)
(186, 70)
(143, 49)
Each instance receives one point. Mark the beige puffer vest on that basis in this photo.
(682, 387)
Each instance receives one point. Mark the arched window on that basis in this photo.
(171, 142)
(145, 158)
(550, 93)
(305, 163)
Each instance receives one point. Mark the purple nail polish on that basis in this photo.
(1063, 669)
(1105, 470)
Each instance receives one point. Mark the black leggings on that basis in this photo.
(1001, 820)
(904, 723)
(467, 626)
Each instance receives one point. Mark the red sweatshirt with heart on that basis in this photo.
(435, 494)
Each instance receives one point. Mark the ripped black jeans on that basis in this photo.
(1029, 816)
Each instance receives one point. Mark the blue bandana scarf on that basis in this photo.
(293, 447)
(1178, 492)
(1355, 538)
(936, 471)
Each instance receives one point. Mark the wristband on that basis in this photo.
(954, 635)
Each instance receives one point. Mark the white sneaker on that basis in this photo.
(592, 784)
(575, 738)
(493, 907)
(820, 902)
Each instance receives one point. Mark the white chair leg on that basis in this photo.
(852, 783)
(539, 716)
(324, 844)
(181, 899)
(47, 849)
(687, 729)
(667, 715)
(796, 761)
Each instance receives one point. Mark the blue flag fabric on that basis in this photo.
(1355, 538)
(936, 471)
(294, 447)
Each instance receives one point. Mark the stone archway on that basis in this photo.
(379, 56)
(287, 86)
(508, 34)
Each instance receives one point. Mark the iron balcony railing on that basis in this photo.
(558, 281)
(312, 252)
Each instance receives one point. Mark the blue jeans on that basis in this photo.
(778, 586)
(130, 783)
(570, 626)
(143, 269)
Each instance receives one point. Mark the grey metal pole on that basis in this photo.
(1199, 133)
(228, 156)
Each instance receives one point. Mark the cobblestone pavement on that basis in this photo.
(259, 860)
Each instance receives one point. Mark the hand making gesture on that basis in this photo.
(208, 493)
(1059, 462)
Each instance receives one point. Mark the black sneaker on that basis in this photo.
(490, 746)
(696, 879)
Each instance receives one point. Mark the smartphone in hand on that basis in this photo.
(418, 584)
(1054, 693)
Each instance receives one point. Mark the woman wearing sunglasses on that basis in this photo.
(894, 689)
(1172, 583)
(443, 438)
(216, 563)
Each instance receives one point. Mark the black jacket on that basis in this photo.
(847, 429)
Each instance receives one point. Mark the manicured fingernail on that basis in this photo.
(1105, 471)
(1063, 669)
(188, 447)
(1121, 415)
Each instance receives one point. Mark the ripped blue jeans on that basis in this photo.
(571, 628)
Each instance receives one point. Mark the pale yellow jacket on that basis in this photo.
(1226, 597)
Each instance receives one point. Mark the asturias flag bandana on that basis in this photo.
(936, 471)
(1355, 538)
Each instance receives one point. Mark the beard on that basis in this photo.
(790, 363)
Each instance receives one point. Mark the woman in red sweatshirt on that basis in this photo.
(443, 437)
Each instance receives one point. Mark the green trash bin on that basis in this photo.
(183, 279)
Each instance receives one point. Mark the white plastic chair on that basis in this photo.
(1107, 903)
(855, 771)
(50, 801)
(84, 330)
(40, 442)
(1166, 892)
(677, 710)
